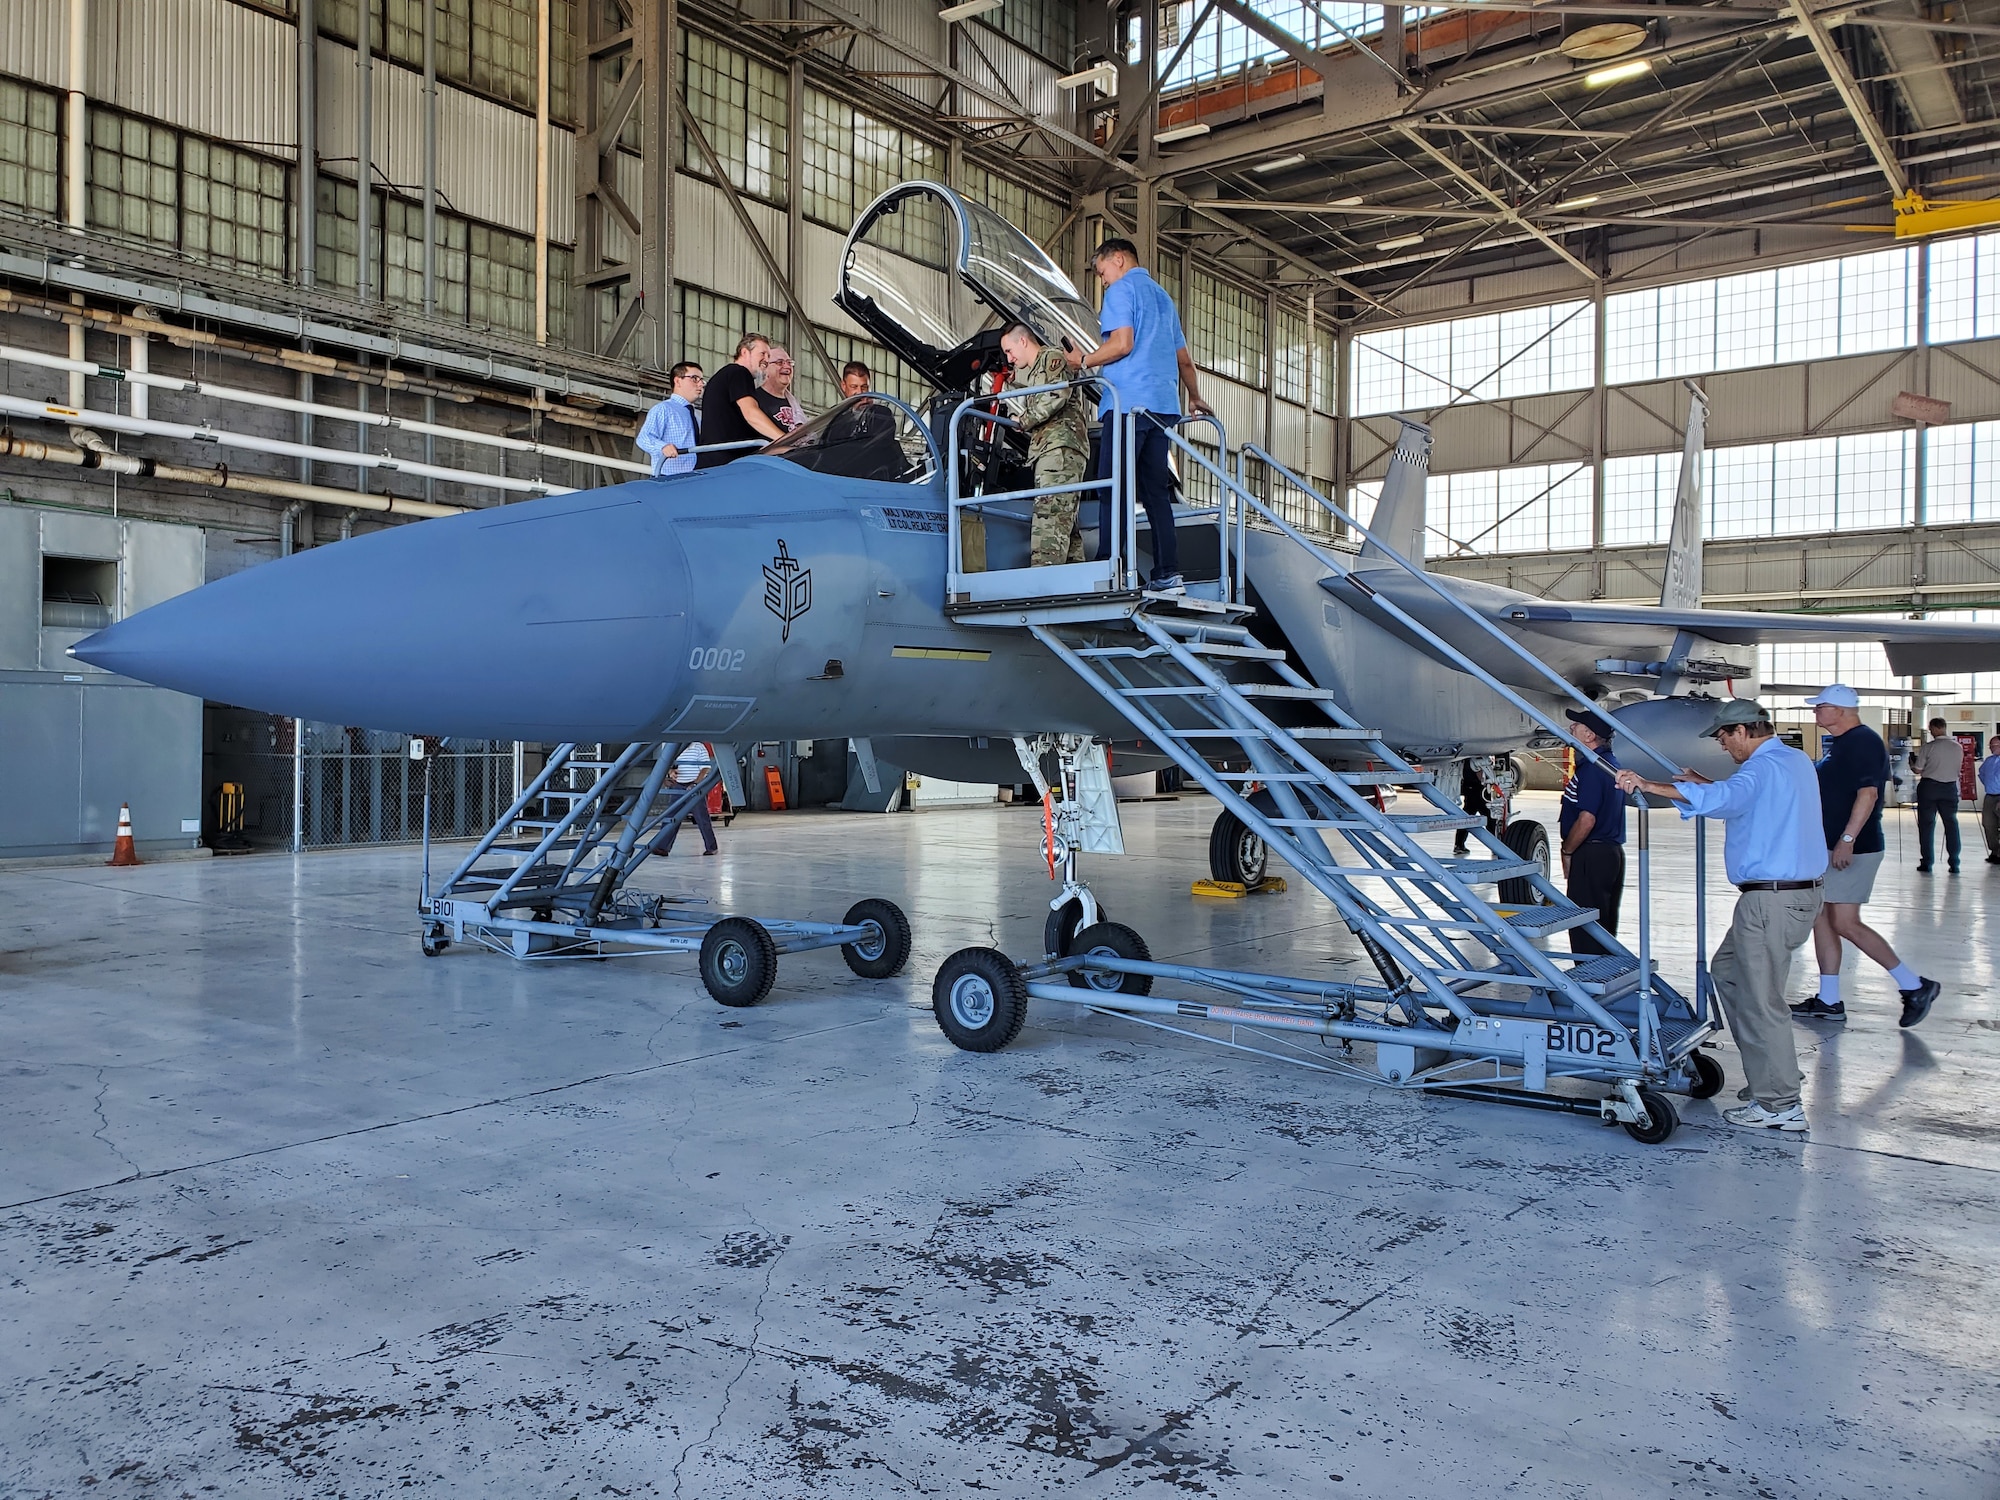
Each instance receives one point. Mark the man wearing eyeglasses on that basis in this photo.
(672, 428)
(1775, 851)
(775, 395)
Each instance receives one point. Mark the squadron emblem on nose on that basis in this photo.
(788, 589)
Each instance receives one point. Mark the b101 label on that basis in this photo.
(1582, 1041)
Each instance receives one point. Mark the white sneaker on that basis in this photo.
(1754, 1116)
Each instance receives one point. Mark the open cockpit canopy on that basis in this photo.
(935, 278)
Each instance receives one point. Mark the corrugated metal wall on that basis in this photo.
(210, 66)
(34, 39)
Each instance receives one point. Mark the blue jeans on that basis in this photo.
(1156, 493)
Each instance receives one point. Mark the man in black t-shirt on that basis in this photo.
(729, 409)
(1853, 769)
(1593, 831)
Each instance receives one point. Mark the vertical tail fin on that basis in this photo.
(1399, 514)
(1681, 588)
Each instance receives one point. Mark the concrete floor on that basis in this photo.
(291, 1210)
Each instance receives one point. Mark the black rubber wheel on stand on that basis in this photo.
(434, 941)
(1237, 853)
(1662, 1121)
(1530, 840)
(1707, 1076)
(979, 999)
(739, 961)
(887, 949)
(1113, 940)
(1060, 929)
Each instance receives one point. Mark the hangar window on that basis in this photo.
(850, 158)
(134, 178)
(1225, 44)
(1046, 27)
(887, 373)
(1226, 328)
(709, 326)
(1496, 356)
(1299, 508)
(1819, 310)
(484, 45)
(1035, 216)
(29, 145)
(1860, 482)
(1289, 375)
(236, 208)
(742, 105)
(1532, 508)
(1965, 288)
(1962, 473)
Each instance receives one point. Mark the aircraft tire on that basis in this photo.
(1663, 1120)
(1236, 851)
(884, 955)
(1060, 929)
(1708, 1077)
(1530, 840)
(1117, 941)
(739, 962)
(979, 999)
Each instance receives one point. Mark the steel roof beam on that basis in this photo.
(1845, 85)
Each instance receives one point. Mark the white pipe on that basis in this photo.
(542, 171)
(16, 406)
(94, 455)
(364, 152)
(139, 377)
(140, 355)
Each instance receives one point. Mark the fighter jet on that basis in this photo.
(804, 591)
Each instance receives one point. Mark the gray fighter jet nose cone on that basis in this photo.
(567, 612)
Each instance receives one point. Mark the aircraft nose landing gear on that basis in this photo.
(1084, 820)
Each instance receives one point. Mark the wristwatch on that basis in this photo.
(1847, 838)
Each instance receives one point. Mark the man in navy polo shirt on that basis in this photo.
(1593, 831)
(1145, 358)
(1853, 769)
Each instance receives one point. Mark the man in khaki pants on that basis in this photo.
(1775, 852)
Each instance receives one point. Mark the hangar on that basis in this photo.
(306, 1194)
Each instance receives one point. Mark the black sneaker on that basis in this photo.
(1917, 1002)
(1923, 869)
(1817, 1009)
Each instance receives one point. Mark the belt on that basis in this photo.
(1778, 885)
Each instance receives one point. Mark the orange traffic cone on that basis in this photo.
(123, 852)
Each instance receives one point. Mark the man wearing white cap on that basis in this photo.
(1853, 769)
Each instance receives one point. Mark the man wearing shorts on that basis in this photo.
(1853, 769)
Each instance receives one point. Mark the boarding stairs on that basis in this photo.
(1472, 998)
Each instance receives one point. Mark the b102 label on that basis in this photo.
(1582, 1041)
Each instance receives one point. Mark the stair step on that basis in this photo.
(1282, 690)
(1319, 778)
(1317, 732)
(1384, 778)
(1468, 871)
(1234, 653)
(1412, 822)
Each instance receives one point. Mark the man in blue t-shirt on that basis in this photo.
(1593, 831)
(1145, 358)
(1853, 769)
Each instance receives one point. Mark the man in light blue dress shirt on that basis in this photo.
(1145, 358)
(670, 431)
(1774, 849)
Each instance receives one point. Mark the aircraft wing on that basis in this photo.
(1914, 646)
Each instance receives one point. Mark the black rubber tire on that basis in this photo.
(434, 942)
(979, 999)
(1236, 852)
(1662, 1123)
(1060, 929)
(1530, 840)
(1708, 1077)
(739, 962)
(886, 954)
(1119, 941)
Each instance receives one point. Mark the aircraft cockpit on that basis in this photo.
(869, 437)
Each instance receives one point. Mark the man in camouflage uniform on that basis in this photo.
(1058, 443)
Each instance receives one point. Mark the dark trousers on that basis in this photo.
(1596, 878)
(1156, 493)
(1932, 806)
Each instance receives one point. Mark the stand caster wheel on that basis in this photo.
(739, 962)
(1112, 940)
(979, 999)
(884, 952)
(434, 942)
(1661, 1122)
(1707, 1076)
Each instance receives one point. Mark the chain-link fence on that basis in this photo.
(349, 786)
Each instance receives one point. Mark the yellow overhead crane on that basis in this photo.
(1917, 215)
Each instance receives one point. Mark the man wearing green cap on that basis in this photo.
(1775, 852)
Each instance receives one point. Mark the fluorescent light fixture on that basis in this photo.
(1182, 133)
(967, 9)
(1401, 242)
(1104, 75)
(1583, 202)
(1297, 159)
(1353, 202)
(1618, 72)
